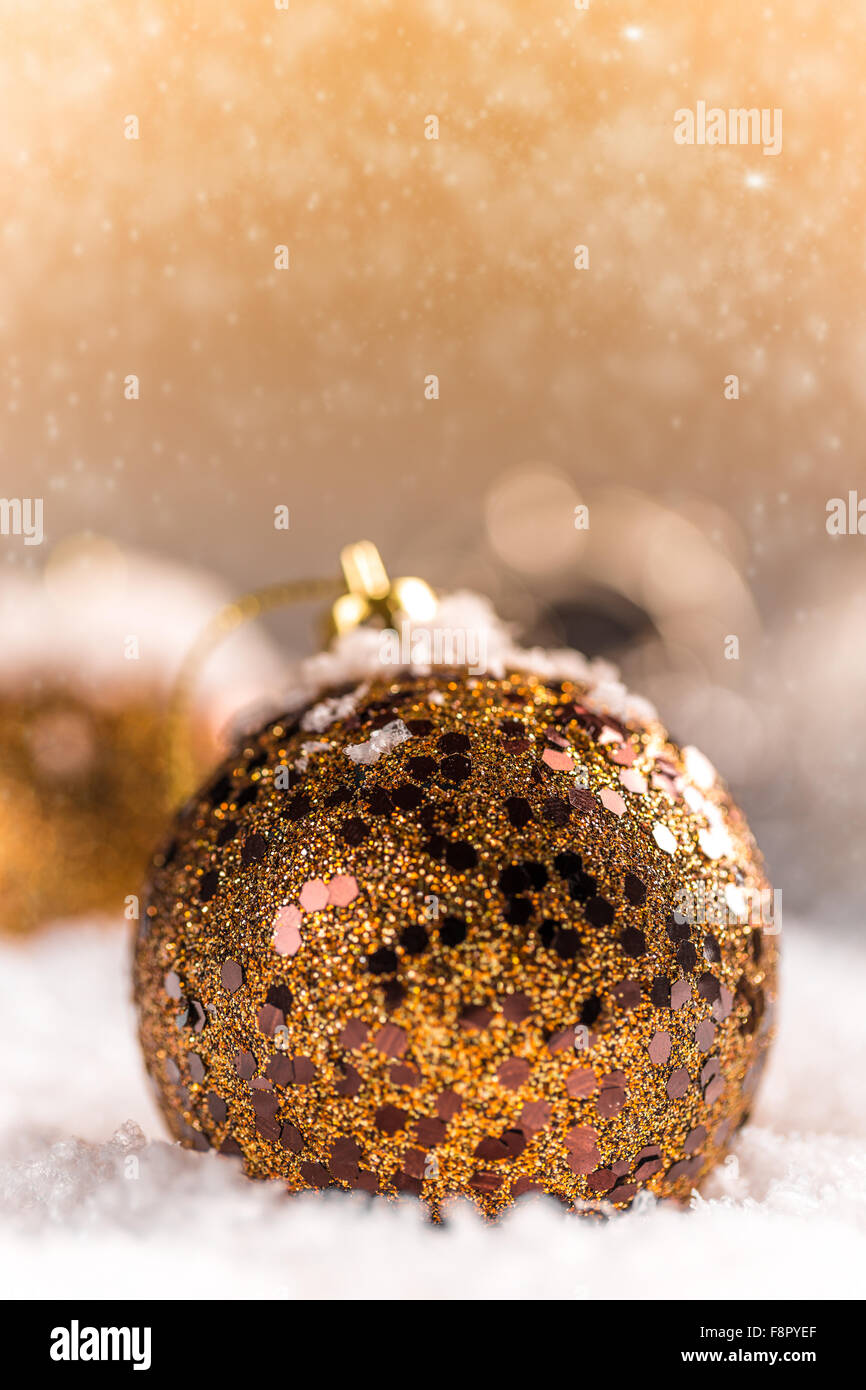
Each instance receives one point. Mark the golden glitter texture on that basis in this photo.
(428, 937)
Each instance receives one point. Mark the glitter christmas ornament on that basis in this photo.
(91, 648)
(455, 932)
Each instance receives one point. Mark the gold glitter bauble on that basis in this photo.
(427, 939)
(83, 795)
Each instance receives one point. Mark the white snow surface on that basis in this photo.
(95, 1202)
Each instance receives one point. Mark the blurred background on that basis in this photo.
(157, 158)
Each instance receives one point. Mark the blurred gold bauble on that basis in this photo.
(83, 797)
(93, 646)
(424, 939)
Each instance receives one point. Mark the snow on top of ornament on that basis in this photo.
(465, 632)
(103, 621)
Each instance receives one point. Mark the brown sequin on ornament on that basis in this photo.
(414, 956)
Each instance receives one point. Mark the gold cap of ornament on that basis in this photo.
(371, 596)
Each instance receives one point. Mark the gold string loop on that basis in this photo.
(181, 772)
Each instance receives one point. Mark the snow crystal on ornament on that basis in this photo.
(381, 741)
(327, 712)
